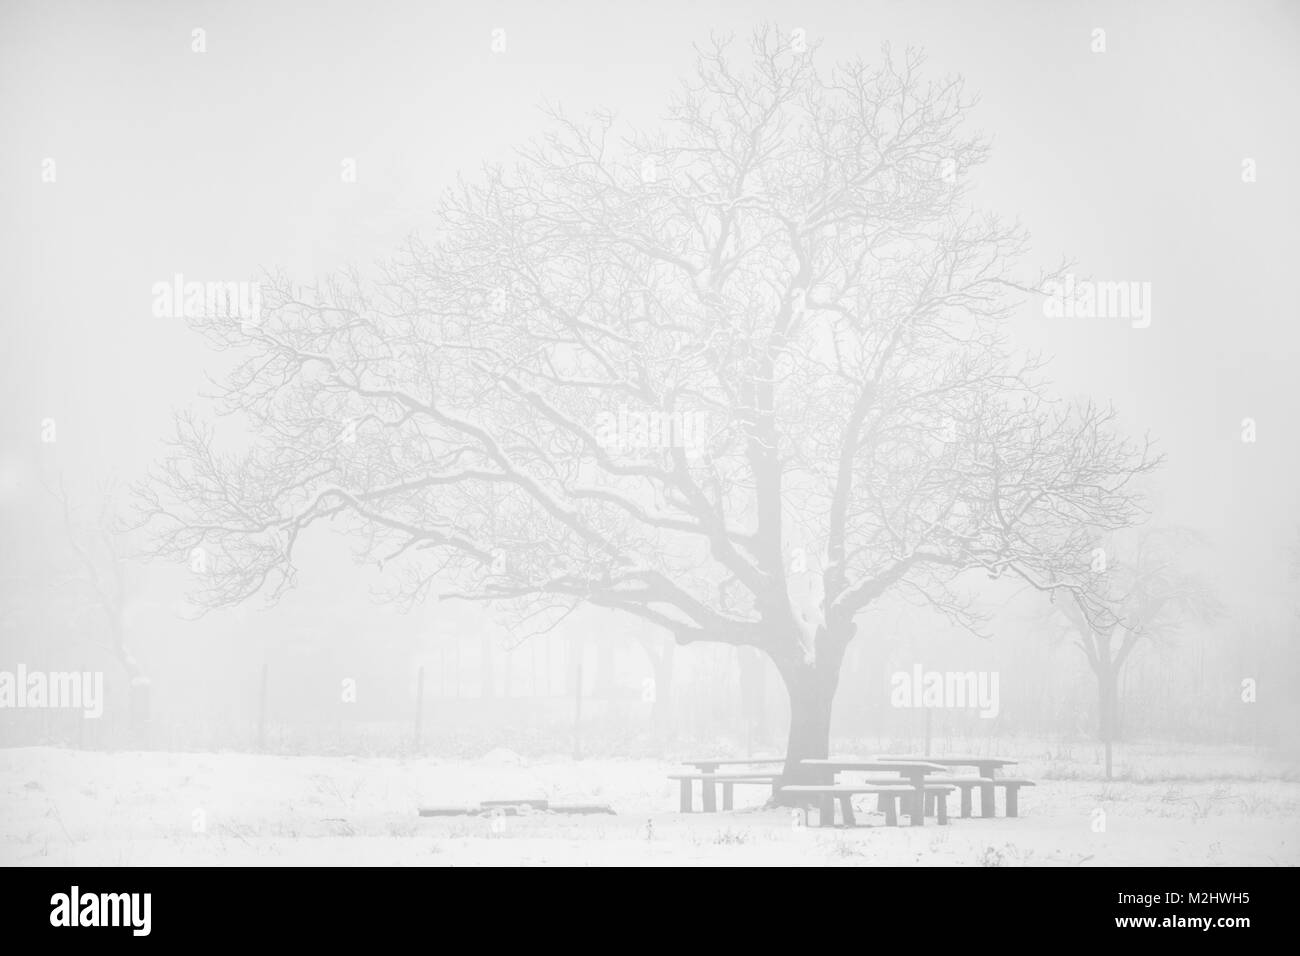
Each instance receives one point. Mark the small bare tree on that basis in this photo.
(1137, 591)
(738, 379)
(97, 585)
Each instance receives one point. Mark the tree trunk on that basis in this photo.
(811, 687)
(1107, 712)
(810, 727)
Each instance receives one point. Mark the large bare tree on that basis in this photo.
(739, 378)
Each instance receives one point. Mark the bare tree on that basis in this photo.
(97, 586)
(738, 379)
(1138, 592)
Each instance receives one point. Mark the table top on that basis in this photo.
(894, 766)
(710, 762)
(957, 761)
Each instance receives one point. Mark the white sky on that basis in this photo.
(220, 164)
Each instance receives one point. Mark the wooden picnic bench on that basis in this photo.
(709, 779)
(912, 773)
(827, 795)
(711, 764)
(987, 781)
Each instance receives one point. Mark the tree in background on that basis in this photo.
(739, 378)
(97, 586)
(1139, 591)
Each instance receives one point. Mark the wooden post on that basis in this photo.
(419, 705)
(826, 811)
(577, 707)
(709, 793)
(846, 810)
(261, 710)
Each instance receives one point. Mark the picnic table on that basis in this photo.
(914, 772)
(711, 764)
(706, 771)
(986, 768)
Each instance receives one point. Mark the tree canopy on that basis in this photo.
(785, 293)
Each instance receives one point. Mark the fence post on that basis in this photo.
(419, 705)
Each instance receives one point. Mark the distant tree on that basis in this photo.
(96, 586)
(1139, 590)
(738, 379)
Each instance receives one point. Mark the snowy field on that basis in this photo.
(127, 809)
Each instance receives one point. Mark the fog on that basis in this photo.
(311, 138)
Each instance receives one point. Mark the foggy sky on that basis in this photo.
(218, 165)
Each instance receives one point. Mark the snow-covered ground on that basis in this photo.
(124, 809)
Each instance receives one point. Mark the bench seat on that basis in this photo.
(827, 795)
(987, 785)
